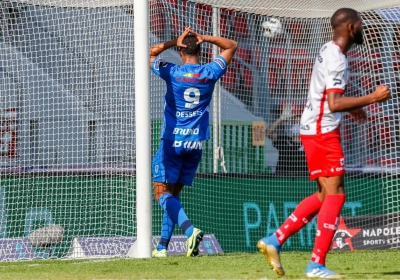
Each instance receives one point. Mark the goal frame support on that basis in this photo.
(142, 122)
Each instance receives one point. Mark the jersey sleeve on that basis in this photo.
(161, 68)
(335, 74)
(218, 66)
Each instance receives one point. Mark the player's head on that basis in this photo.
(192, 48)
(347, 22)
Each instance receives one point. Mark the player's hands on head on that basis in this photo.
(200, 38)
(382, 93)
(181, 37)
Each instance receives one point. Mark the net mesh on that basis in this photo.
(68, 135)
(251, 195)
(67, 120)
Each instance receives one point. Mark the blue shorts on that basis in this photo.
(176, 161)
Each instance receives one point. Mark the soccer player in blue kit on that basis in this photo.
(186, 126)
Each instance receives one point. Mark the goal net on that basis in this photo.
(243, 190)
(68, 135)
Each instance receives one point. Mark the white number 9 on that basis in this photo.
(192, 101)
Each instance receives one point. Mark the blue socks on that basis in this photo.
(173, 208)
(273, 240)
(167, 228)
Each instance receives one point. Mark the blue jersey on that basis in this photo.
(187, 100)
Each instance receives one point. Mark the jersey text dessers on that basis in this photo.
(330, 74)
(189, 92)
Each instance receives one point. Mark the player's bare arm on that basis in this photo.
(229, 46)
(339, 103)
(156, 50)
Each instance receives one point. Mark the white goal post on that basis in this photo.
(81, 115)
(143, 125)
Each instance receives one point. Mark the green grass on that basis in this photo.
(361, 264)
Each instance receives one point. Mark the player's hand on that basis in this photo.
(200, 38)
(359, 115)
(181, 37)
(382, 93)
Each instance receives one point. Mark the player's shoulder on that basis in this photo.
(159, 62)
(332, 52)
(219, 61)
(332, 58)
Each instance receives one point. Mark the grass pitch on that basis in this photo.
(355, 265)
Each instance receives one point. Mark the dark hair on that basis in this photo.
(343, 15)
(192, 48)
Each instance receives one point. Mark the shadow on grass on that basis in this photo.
(373, 273)
(391, 273)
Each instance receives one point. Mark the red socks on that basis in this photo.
(304, 212)
(328, 218)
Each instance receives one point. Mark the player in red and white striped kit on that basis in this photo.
(320, 135)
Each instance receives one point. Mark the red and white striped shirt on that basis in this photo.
(330, 74)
